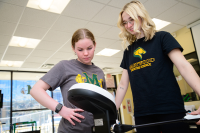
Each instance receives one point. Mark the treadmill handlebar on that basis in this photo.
(121, 128)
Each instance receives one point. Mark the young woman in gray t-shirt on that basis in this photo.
(67, 73)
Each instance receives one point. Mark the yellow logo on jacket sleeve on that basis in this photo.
(138, 52)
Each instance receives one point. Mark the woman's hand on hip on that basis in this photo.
(69, 114)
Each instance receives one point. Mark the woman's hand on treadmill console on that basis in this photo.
(197, 112)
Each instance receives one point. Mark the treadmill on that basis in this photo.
(101, 104)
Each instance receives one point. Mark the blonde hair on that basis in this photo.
(81, 34)
(135, 9)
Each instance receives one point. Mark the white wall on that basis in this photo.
(196, 37)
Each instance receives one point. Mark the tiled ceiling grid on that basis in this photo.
(55, 30)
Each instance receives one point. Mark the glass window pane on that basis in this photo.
(5, 88)
(57, 95)
(22, 84)
(43, 120)
(56, 122)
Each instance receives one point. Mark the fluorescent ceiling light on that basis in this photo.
(108, 52)
(23, 42)
(55, 6)
(11, 63)
(160, 23)
(17, 41)
(45, 4)
(107, 69)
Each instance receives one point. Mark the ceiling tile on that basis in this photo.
(116, 45)
(0, 55)
(4, 40)
(106, 64)
(10, 13)
(96, 28)
(58, 36)
(18, 50)
(83, 9)
(176, 12)
(119, 54)
(42, 53)
(99, 16)
(116, 60)
(16, 2)
(108, 15)
(31, 65)
(156, 7)
(97, 50)
(14, 57)
(36, 59)
(121, 3)
(101, 58)
(103, 42)
(68, 24)
(53, 61)
(190, 18)
(7, 28)
(33, 32)
(72, 57)
(107, 59)
(172, 28)
(2, 49)
(67, 48)
(38, 18)
(112, 33)
(9, 68)
(46, 45)
(62, 55)
(195, 3)
(102, 1)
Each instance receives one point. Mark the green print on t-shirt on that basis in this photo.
(92, 80)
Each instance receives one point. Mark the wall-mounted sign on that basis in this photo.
(129, 106)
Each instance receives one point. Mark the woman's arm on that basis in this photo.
(122, 88)
(187, 71)
(38, 92)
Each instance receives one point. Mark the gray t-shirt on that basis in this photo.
(64, 75)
